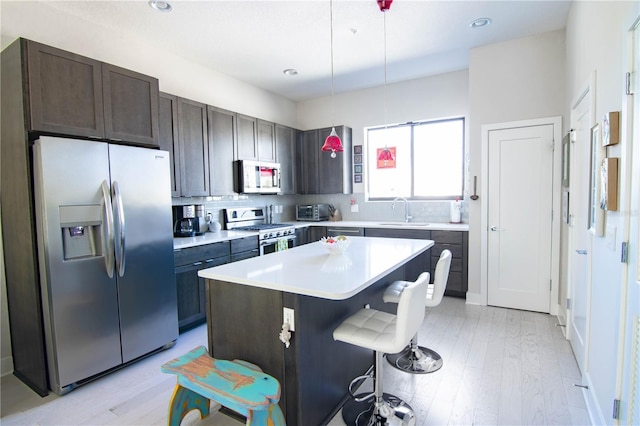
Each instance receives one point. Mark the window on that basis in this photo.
(427, 164)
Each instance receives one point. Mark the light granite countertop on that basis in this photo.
(215, 237)
(311, 271)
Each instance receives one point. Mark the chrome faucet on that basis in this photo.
(406, 207)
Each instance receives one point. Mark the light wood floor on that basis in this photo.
(501, 367)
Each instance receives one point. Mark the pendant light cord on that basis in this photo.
(385, 67)
(333, 102)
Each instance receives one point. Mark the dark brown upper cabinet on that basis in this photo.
(194, 148)
(286, 147)
(73, 95)
(266, 141)
(222, 137)
(320, 173)
(255, 139)
(130, 106)
(168, 137)
(247, 137)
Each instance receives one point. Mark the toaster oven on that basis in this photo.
(312, 212)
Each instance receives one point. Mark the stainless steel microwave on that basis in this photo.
(256, 177)
(312, 212)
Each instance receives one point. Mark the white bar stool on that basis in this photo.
(383, 333)
(416, 359)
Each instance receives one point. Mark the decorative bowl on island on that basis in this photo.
(335, 245)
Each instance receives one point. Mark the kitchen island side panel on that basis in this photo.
(244, 323)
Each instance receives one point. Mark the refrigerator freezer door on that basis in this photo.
(79, 299)
(144, 249)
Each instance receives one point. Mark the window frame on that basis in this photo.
(412, 125)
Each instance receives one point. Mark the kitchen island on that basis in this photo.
(245, 302)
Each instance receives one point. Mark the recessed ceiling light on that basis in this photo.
(480, 22)
(290, 71)
(161, 6)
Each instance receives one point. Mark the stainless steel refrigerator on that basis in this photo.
(105, 247)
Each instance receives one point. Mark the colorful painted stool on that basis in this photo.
(237, 385)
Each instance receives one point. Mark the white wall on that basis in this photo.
(177, 76)
(595, 34)
(516, 80)
(441, 96)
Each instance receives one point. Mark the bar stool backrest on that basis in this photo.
(410, 312)
(440, 279)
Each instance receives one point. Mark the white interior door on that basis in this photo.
(630, 392)
(579, 236)
(520, 205)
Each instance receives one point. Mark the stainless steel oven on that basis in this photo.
(272, 237)
(272, 245)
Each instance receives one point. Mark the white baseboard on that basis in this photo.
(6, 366)
(474, 299)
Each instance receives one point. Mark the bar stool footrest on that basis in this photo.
(425, 361)
(362, 413)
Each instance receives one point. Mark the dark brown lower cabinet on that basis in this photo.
(244, 248)
(458, 243)
(191, 288)
(455, 241)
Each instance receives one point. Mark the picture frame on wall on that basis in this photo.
(357, 178)
(596, 214)
(609, 184)
(611, 128)
(357, 168)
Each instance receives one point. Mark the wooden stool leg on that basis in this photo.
(183, 401)
(271, 417)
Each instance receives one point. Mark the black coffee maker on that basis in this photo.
(185, 222)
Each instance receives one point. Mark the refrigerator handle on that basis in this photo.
(107, 237)
(120, 248)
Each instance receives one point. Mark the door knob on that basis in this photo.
(581, 251)
(495, 228)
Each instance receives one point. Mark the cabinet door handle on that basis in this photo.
(345, 231)
(197, 263)
(581, 251)
(495, 228)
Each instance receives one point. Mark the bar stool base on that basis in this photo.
(361, 413)
(426, 362)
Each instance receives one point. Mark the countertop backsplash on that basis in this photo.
(421, 211)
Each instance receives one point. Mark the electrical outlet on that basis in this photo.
(288, 315)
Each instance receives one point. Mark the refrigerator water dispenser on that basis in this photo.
(81, 231)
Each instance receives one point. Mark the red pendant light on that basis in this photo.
(384, 5)
(333, 143)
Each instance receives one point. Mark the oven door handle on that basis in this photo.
(275, 240)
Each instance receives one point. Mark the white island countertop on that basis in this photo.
(310, 270)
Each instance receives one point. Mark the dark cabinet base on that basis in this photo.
(244, 322)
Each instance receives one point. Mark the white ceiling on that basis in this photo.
(254, 41)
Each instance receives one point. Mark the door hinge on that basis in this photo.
(628, 83)
(616, 409)
(568, 304)
(550, 284)
(624, 252)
